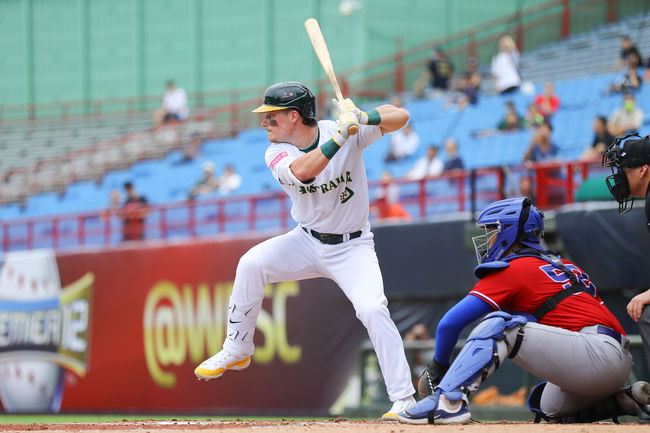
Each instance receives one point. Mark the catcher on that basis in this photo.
(546, 316)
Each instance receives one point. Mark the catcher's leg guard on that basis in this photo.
(242, 318)
(483, 352)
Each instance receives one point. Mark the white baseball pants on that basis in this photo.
(353, 265)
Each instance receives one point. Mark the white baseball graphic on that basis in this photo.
(29, 386)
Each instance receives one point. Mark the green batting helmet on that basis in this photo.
(289, 94)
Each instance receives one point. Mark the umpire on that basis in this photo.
(630, 179)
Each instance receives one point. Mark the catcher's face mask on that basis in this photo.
(483, 243)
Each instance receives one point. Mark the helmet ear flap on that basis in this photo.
(523, 218)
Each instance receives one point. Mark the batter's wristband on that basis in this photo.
(329, 148)
(374, 118)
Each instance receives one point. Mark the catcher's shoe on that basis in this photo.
(398, 406)
(436, 409)
(215, 367)
(639, 392)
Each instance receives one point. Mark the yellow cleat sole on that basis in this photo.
(205, 374)
(389, 417)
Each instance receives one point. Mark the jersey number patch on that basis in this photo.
(558, 276)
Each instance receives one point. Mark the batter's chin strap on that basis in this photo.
(553, 301)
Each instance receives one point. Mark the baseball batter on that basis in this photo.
(546, 316)
(321, 168)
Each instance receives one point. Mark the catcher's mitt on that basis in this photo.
(430, 378)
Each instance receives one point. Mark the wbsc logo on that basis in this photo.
(44, 330)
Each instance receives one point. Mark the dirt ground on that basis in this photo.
(338, 425)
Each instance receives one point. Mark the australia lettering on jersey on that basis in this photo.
(329, 186)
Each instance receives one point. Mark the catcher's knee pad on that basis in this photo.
(242, 318)
(483, 352)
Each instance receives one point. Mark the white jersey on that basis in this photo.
(504, 68)
(336, 201)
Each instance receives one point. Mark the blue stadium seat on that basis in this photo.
(116, 179)
(10, 211)
(45, 203)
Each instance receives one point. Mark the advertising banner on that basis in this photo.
(43, 330)
(123, 330)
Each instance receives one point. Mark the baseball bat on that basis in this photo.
(323, 54)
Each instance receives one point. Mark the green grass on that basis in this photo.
(89, 418)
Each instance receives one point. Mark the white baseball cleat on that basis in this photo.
(436, 409)
(215, 367)
(398, 406)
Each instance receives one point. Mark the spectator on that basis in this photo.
(397, 101)
(468, 90)
(526, 188)
(208, 182)
(441, 71)
(634, 61)
(454, 161)
(464, 93)
(133, 212)
(389, 189)
(229, 180)
(602, 140)
(548, 102)
(535, 116)
(512, 121)
(190, 149)
(626, 119)
(627, 49)
(403, 142)
(505, 66)
(386, 205)
(113, 205)
(437, 75)
(472, 73)
(427, 166)
(419, 333)
(467, 87)
(174, 106)
(541, 147)
(631, 81)
(114, 197)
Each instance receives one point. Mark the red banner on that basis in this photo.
(157, 311)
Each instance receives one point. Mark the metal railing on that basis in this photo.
(457, 191)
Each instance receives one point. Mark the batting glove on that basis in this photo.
(346, 105)
(346, 120)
